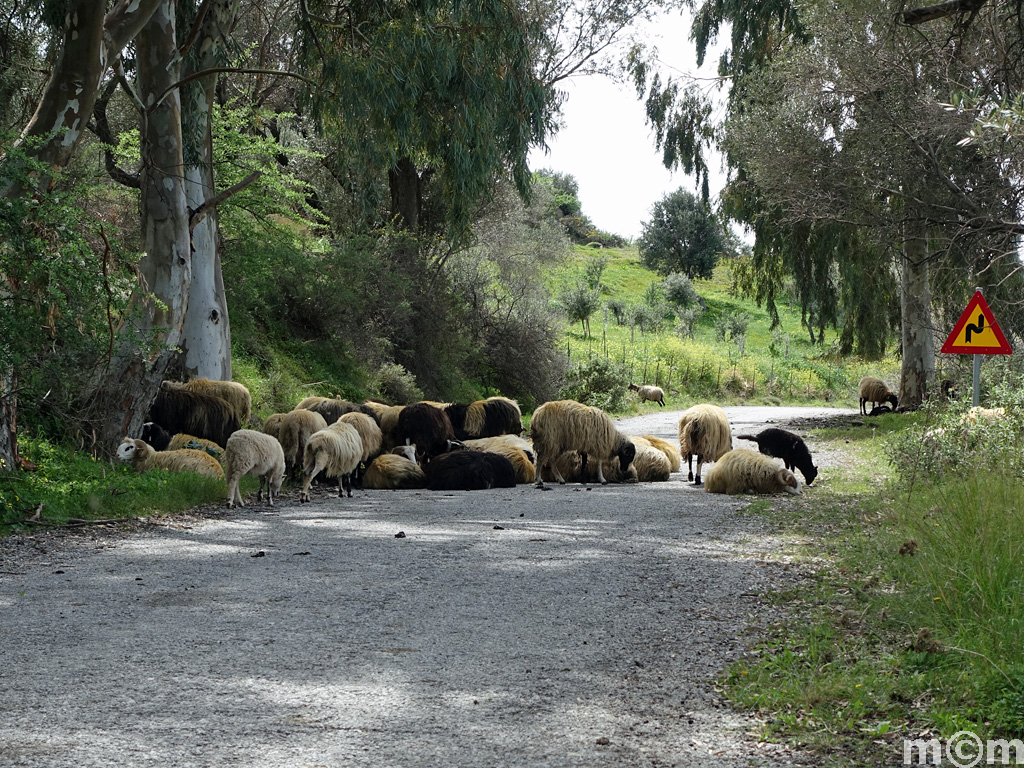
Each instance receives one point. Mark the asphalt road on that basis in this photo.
(582, 626)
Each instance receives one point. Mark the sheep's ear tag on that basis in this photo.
(977, 332)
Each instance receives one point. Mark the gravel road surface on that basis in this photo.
(578, 627)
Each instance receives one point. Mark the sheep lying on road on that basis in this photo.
(747, 471)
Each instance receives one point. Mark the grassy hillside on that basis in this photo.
(768, 366)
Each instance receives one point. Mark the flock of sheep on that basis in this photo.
(445, 446)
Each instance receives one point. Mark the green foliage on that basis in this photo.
(71, 485)
(600, 382)
(66, 285)
(579, 301)
(592, 271)
(447, 85)
(679, 290)
(731, 325)
(989, 438)
(395, 385)
(682, 236)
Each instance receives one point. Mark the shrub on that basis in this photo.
(679, 290)
(394, 384)
(600, 382)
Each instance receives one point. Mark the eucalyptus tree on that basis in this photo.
(847, 164)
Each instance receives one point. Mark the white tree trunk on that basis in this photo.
(918, 369)
(120, 402)
(206, 336)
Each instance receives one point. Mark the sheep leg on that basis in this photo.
(600, 474)
(234, 497)
(307, 480)
(259, 491)
(345, 483)
(689, 464)
(700, 463)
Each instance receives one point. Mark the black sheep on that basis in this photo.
(485, 418)
(786, 446)
(195, 413)
(427, 427)
(469, 471)
(156, 436)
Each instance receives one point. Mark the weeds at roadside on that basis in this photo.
(908, 620)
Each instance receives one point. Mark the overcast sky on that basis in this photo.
(607, 146)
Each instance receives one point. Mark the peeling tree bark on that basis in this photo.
(121, 399)
(206, 335)
(918, 366)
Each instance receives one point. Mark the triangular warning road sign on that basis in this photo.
(977, 332)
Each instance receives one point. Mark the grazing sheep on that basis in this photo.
(409, 451)
(569, 467)
(333, 408)
(427, 427)
(177, 409)
(747, 471)
(376, 406)
(786, 446)
(565, 425)
(469, 471)
(389, 426)
(294, 431)
(335, 451)
(272, 426)
(237, 395)
(144, 457)
(651, 465)
(485, 418)
(370, 436)
(874, 391)
(703, 432)
(649, 392)
(391, 471)
(249, 452)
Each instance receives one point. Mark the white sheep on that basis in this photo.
(875, 391)
(746, 471)
(369, 433)
(335, 451)
(565, 425)
(671, 451)
(651, 465)
(390, 471)
(249, 452)
(143, 458)
(703, 432)
(389, 426)
(293, 432)
(649, 392)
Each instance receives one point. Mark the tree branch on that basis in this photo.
(228, 70)
(197, 215)
(940, 10)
